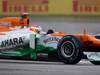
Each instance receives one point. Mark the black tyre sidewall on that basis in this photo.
(77, 53)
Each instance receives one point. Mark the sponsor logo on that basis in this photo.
(51, 39)
(12, 42)
(14, 6)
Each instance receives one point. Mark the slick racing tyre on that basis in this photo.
(70, 50)
(95, 62)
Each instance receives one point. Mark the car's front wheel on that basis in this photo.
(70, 49)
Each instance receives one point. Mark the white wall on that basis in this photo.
(69, 24)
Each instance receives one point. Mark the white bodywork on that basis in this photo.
(19, 37)
(93, 56)
(13, 39)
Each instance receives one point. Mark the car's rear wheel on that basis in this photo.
(70, 49)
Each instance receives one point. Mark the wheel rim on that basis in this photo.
(67, 49)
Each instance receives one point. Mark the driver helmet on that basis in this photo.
(36, 28)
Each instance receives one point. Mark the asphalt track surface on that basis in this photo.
(22, 67)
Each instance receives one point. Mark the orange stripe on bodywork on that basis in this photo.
(4, 29)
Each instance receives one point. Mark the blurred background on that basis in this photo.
(70, 16)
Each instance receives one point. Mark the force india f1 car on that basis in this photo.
(34, 43)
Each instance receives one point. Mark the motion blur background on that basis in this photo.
(70, 16)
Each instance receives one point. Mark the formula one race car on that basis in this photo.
(35, 43)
